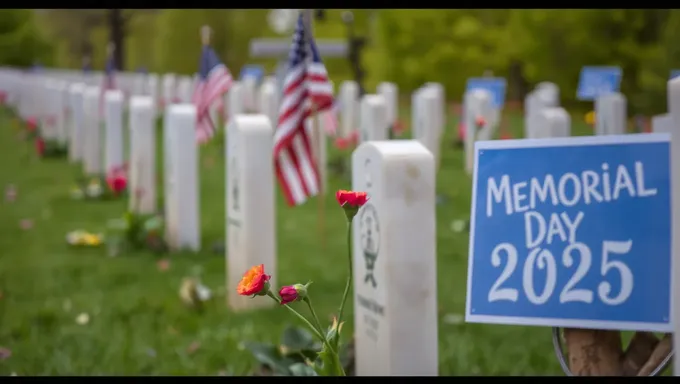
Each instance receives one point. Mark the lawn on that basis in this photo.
(137, 323)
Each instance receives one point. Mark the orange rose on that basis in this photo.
(254, 282)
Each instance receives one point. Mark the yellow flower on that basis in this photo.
(590, 118)
(92, 239)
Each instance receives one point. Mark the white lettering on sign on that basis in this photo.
(567, 190)
(570, 189)
(543, 259)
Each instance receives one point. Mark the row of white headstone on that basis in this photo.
(399, 175)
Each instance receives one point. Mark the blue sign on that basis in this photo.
(596, 81)
(494, 85)
(675, 73)
(256, 71)
(572, 232)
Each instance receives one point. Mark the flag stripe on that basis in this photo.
(214, 81)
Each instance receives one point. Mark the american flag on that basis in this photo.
(329, 119)
(215, 80)
(306, 89)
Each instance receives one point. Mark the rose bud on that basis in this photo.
(291, 293)
(254, 282)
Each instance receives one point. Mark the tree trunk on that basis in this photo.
(117, 37)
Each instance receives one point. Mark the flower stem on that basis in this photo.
(318, 323)
(316, 331)
(349, 275)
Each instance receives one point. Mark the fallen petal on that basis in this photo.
(10, 193)
(5, 353)
(151, 352)
(453, 318)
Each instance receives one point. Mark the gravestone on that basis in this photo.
(395, 277)
(610, 114)
(169, 91)
(181, 178)
(152, 90)
(534, 103)
(251, 231)
(390, 94)
(142, 155)
(477, 104)
(92, 143)
(61, 112)
(551, 92)
(249, 84)
(76, 134)
(140, 84)
(349, 111)
(662, 123)
(555, 122)
(269, 102)
(235, 100)
(440, 110)
(113, 128)
(47, 104)
(373, 121)
(185, 89)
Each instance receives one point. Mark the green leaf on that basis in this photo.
(297, 339)
(270, 356)
(302, 369)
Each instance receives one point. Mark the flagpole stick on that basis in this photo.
(316, 143)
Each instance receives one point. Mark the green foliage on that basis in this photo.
(21, 41)
(293, 357)
(408, 47)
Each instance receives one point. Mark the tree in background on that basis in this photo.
(22, 43)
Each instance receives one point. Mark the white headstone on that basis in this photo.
(662, 123)
(235, 97)
(440, 108)
(395, 274)
(142, 155)
(610, 114)
(76, 128)
(47, 102)
(181, 178)
(373, 118)
(534, 103)
(185, 89)
(113, 127)
(390, 93)
(92, 145)
(139, 84)
(152, 90)
(349, 102)
(251, 231)
(674, 111)
(477, 104)
(555, 121)
(249, 93)
(169, 91)
(269, 102)
(61, 111)
(551, 92)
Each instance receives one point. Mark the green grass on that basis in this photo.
(138, 324)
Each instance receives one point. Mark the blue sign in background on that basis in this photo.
(675, 73)
(644, 220)
(257, 71)
(596, 81)
(494, 85)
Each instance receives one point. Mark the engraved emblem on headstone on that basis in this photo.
(367, 174)
(233, 171)
(369, 227)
